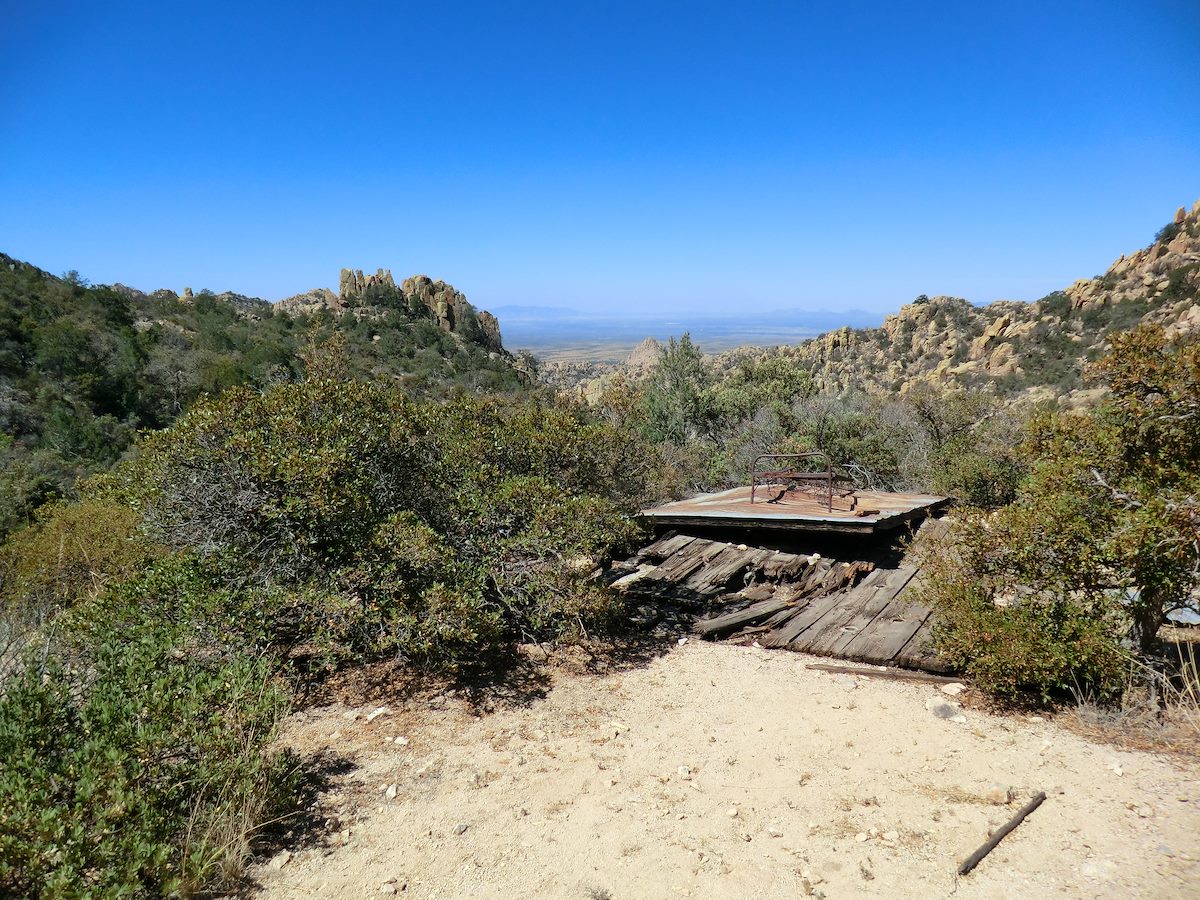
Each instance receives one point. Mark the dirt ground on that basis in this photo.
(721, 771)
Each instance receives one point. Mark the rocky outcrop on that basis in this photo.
(644, 357)
(490, 326)
(310, 303)
(1171, 262)
(419, 295)
(352, 284)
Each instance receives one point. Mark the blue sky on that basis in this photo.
(614, 157)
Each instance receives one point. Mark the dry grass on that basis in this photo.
(1157, 713)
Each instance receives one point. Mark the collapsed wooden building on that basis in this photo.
(797, 560)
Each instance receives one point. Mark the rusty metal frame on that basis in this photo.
(808, 481)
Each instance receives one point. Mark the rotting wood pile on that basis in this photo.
(848, 609)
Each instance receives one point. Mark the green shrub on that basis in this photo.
(1016, 643)
(372, 523)
(1100, 543)
(146, 776)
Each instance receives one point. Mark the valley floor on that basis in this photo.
(721, 771)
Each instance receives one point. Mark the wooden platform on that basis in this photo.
(852, 610)
(862, 512)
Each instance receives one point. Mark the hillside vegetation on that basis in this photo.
(83, 368)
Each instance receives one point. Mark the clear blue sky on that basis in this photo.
(606, 156)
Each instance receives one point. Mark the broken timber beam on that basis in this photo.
(756, 612)
(889, 674)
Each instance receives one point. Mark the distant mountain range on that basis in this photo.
(557, 333)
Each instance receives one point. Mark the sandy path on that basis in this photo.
(796, 783)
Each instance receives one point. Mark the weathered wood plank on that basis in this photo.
(685, 561)
(667, 545)
(625, 582)
(813, 613)
(866, 617)
(823, 634)
(703, 578)
(728, 622)
(728, 569)
(886, 674)
(782, 566)
(918, 652)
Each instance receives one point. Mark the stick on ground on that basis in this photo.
(890, 674)
(973, 860)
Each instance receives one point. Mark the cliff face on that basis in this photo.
(365, 296)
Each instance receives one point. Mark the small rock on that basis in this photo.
(685, 772)
(960, 719)
(999, 794)
(682, 641)
(861, 836)
(336, 736)
(891, 835)
(953, 689)
(375, 714)
(732, 812)
(1145, 812)
(279, 860)
(941, 708)
(387, 888)
(390, 793)
(746, 837)
(402, 741)
(1117, 770)
(461, 828)
(775, 832)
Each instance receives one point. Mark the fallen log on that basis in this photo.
(973, 860)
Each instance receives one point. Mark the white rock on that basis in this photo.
(681, 641)
(861, 836)
(461, 828)
(775, 832)
(959, 719)
(685, 771)
(390, 793)
(953, 689)
(941, 708)
(732, 812)
(402, 741)
(375, 714)
(279, 860)
(848, 682)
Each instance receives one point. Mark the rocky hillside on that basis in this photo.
(84, 367)
(362, 296)
(1016, 347)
